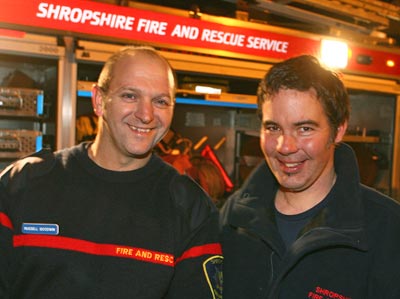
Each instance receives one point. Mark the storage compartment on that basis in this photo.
(17, 143)
(21, 102)
(28, 104)
(370, 133)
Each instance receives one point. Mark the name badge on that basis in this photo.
(40, 228)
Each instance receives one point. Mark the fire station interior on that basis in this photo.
(225, 134)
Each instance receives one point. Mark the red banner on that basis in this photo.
(139, 25)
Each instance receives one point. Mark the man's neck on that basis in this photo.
(115, 162)
(290, 202)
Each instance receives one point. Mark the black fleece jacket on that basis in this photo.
(349, 250)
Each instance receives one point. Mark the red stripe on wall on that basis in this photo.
(5, 221)
(213, 248)
(72, 244)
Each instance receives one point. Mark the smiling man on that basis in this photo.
(302, 225)
(109, 219)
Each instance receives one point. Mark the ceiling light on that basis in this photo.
(334, 54)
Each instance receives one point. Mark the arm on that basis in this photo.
(12, 180)
(6, 231)
(198, 266)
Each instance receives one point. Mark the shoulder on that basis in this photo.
(382, 225)
(378, 200)
(191, 200)
(381, 209)
(19, 173)
(36, 165)
(41, 162)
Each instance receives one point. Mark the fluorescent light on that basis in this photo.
(207, 89)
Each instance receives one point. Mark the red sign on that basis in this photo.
(139, 25)
(100, 19)
(375, 62)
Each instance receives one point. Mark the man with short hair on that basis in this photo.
(110, 219)
(302, 225)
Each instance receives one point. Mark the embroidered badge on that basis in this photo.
(213, 271)
(40, 228)
(323, 293)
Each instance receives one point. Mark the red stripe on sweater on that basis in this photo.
(72, 244)
(5, 221)
(207, 249)
(88, 247)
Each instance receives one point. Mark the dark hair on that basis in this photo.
(303, 73)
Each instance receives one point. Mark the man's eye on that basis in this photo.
(306, 130)
(272, 128)
(162, 103)
(128, 96)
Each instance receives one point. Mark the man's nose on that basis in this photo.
(287, 144)
(144, 110)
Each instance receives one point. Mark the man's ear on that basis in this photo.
(340, 132)
(97, 100)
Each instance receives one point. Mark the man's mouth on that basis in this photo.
(140, 130)
(291, 167)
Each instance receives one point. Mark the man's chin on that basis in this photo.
(141, 155)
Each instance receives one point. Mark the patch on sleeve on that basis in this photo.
(213, 271)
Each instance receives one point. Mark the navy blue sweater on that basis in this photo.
(70, 229)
